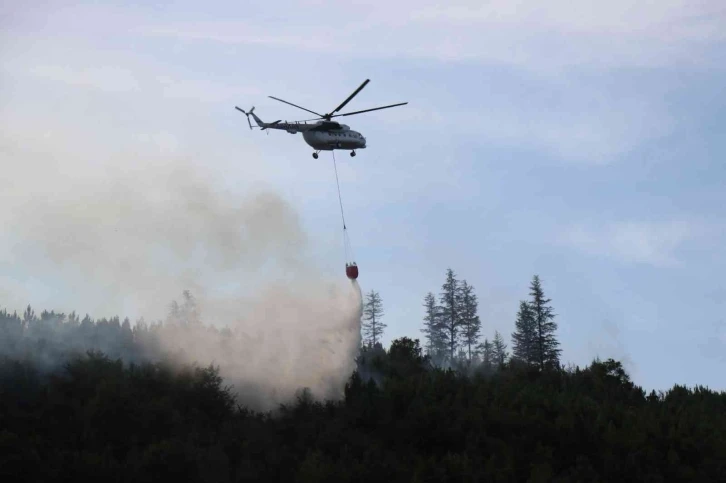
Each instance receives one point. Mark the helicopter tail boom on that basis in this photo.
(259, 121)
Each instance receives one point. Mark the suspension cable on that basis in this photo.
(337, 182)
(347, 247)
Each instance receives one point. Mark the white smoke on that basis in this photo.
(290, 338)
(128, 241)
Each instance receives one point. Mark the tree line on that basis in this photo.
(452, 328)
(49, 338)
(108, 420)
(128, 413)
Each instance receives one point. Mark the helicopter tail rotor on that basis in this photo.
(247, 114)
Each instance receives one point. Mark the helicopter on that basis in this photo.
(324, 134)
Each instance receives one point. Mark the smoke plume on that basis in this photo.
(129, 241)
(291, 338)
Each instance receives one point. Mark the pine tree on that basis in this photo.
(29, 316)
(523, 338)
(127, 336)
(190, 309)
(372, 313)
(499, 350)
(174, 315)
(546, 347)
(435, 339)
(186, 314)
(470, 323)
(450, 319)
(73, 319)
(461, 362)
(487, 354)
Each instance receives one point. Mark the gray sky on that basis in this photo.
(582, 142)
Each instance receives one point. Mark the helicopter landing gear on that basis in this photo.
(352, 153)
(315, 155)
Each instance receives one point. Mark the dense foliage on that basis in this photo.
(109, 421)
(98, 400)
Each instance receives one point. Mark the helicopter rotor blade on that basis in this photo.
(369, 110)
(355, 93)
(295, 105)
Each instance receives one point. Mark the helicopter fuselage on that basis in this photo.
(322, 135)
(334, 139)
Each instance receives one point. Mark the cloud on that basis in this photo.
(107, 78)
(596, 123)
(601, 134)
(588, 119)
(525, 33)
(134, 78)
(202, 90)
(623, 17)
(651, 243)
(91, 64)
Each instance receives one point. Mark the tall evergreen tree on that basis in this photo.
(487, 353)
(435, 339)
(523, 338)
(190, 309)
(29, 316)
(372, 314)
(546, 346)
(499, 349)
(450, 320)
(127, 336)
(470, 323)
(186, 314)
(73, 319)
(174, 315)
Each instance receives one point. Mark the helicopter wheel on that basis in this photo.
(315, 155)
(352, 153)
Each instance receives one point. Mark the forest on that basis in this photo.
(83, 398)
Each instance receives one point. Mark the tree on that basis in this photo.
(499, 350)
(372, 313)
(174, 315)
(546, 347)
(450, 319)
(398, 420)
(190, 309)
(127, 336)
(29, 316)
(73, 319)
(435, 339)
(487, 353)
(523, 338)
(470, 323)
(405, 357)
(186, 314)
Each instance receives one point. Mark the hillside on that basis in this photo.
(110, 420)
